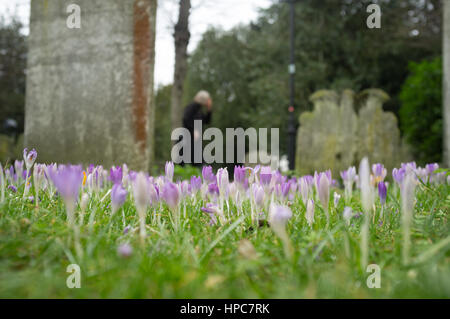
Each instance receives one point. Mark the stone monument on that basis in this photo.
(334, 136)
(90, 89)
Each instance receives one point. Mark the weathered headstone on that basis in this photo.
(378, 133)
(333, 136)
(90, 90)
(327, 136)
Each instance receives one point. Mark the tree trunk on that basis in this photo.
(182, 36)
(446, 83)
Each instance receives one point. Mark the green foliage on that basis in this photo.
(232, 260)
(246, 68)
(421, 111)
(13, 53)
(185, 172)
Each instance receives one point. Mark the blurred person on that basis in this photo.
(199, 109)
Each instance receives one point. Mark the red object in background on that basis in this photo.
(291, 109)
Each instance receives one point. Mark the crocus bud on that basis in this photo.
(382, 192)
(279, 215)
(265, 175)
(141, 192)
(336, 198)
(169, 171)
(398, 175)
(118, 197)
(323, 190)
(208, 175)
(347, 214)
(239, 176)
(379, 172)
(196, 184)
(84, 202)
(259, 195)
(304, 189)
(116, 175)
(171, 195)
(310, 212)
(278, 218)
(67, 180)
(223, 182)
(125, 250)
(366, 188)
(29, 157)
(18, 167)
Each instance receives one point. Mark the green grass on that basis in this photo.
(202, 261)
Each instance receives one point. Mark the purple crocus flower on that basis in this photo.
(196, 184)
(304, 187)
(213, 189)
(118, 197)
(349, 175)
(382, 192)
(141, 192)
(265, 175)
(336, 199)
(67, 180)
(347, 214)
(285, 188)
(431, 168)
(239, 175)
(379, 172)
(115, 175)
(279, 215)
(211, 210)
(258, 195)
(29, 157)
(169, 169)
(171, 195)
(12, 188)
(10, 174)
(323, 182)
(398, 175)
(18, 167)
(208, 175)
(223, 182)
(124, 250)
(409, 167)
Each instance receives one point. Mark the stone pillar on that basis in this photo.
(446, 83)
(90, 90)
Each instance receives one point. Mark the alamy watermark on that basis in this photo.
(213, 152)
(74, 19)
(74, 279)
(374, 19)
(374, 279)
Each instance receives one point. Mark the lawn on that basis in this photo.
(189, 252)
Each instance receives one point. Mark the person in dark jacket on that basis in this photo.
(199, 109)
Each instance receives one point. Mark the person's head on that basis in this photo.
(203, 98)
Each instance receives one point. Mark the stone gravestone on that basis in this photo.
(378, 133)
(333, 136)
(327, 136)
(90, 89)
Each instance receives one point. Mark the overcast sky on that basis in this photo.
(205, 13)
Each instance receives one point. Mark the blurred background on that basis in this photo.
(239, 51)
